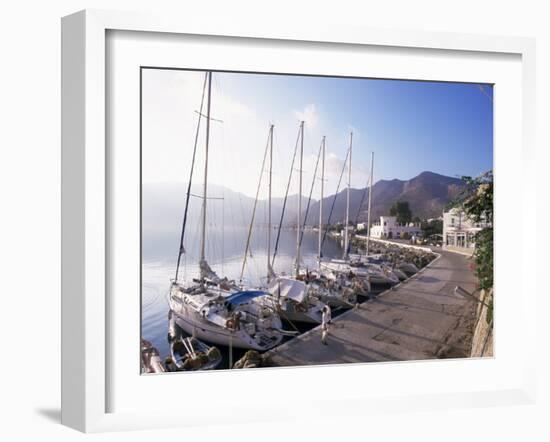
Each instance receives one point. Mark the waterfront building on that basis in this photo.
(389, 228)
(459, 230)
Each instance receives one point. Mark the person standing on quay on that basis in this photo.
(325, 322)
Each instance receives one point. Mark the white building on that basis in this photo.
(459, 230)
(388, 228)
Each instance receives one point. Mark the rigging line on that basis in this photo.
(362, 200)
(231, 206)
(334, 199)
(267, 216)
(310, 193)
(181, 249)
(284, 201)
(223, 232)
(211, 119)
(208, 197)
(219, 228)
(211, 239)
(254, 209)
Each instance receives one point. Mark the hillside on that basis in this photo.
(427, 194)
(163, 204)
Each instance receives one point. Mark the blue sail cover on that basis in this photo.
(244, 296)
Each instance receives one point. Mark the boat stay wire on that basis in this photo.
(310, 193)
(251, 226)
(362, 201)
(334, 199)
(285, 200)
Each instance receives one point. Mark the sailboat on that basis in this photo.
(333, 290)
(358, 268)
(381, 273)
(377, 273)
(211, 308)
(289, 296)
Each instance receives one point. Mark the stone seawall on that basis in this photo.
(482, 342)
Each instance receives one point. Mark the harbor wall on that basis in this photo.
(482, 341)
(393, 243)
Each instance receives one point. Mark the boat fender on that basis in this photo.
(203, 359)
(189, 364)
(213, 354)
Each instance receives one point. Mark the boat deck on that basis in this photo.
(420, 318)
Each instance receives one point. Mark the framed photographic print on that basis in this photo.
(248, 212)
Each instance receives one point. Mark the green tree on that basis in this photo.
(401, 211)
(476, 198)
(433, 227)
(477, 202)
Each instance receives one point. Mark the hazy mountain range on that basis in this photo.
(163, 204)
(427, 194)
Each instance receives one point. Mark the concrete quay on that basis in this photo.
(421, 318)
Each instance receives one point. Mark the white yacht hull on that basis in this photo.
(377, 277)
(191, 322)
(290, 297)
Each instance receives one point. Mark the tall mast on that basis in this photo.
(370, 197)
(321, 202)
(346, 230)
(181, 248)
(300, 200)
(269, 204)
(205, 189)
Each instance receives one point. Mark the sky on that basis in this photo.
(411, 126)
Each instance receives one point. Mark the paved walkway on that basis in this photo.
(420, 319)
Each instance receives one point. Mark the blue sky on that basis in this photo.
(411, 126)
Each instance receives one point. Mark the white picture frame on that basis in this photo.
(86, 209)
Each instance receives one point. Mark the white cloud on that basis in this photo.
(171, 99)
(333, 170)
(333, 165)
(309, 114)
